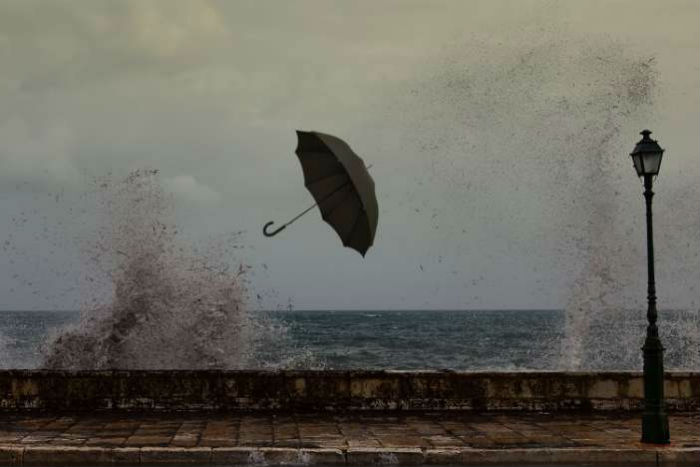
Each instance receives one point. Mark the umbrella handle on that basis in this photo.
(272, 234)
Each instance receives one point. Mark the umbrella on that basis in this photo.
(343, 189)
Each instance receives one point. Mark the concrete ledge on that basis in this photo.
(167, 391)
(47, 455)
(323, 456)
(11, 455)
(449, 456)
(173, 455)
(232, 456)
(385, 456)
(60, 455)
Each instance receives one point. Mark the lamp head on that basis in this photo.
(647, 155)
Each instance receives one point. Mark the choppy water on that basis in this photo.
(466, 340)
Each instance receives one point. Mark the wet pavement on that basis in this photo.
(353, 439)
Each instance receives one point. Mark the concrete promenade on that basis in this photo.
(356, 438)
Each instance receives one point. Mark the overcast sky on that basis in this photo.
(499, 133)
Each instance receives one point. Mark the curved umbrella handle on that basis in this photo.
(273, 233)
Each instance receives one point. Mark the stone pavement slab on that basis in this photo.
(438, 438)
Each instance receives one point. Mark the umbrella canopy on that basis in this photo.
(338, 180)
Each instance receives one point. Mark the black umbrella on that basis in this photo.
(343, 189)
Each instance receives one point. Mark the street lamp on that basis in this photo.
(647, 160)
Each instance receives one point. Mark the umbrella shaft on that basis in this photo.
(317, 203)
(302, 213)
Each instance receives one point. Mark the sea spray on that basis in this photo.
(606, 307)
(553, 115)
(168, 308)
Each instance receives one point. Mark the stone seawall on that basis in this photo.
(163, 391)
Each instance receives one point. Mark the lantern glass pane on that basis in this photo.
(637, 158)
(652, 161)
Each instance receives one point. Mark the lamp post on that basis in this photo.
(647, 160)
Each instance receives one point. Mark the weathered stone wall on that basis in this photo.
(335, 390)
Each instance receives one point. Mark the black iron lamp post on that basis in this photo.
(647, 160)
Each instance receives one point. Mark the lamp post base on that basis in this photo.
(654, 420)
(655, 428)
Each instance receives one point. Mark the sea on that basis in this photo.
(474, 340)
